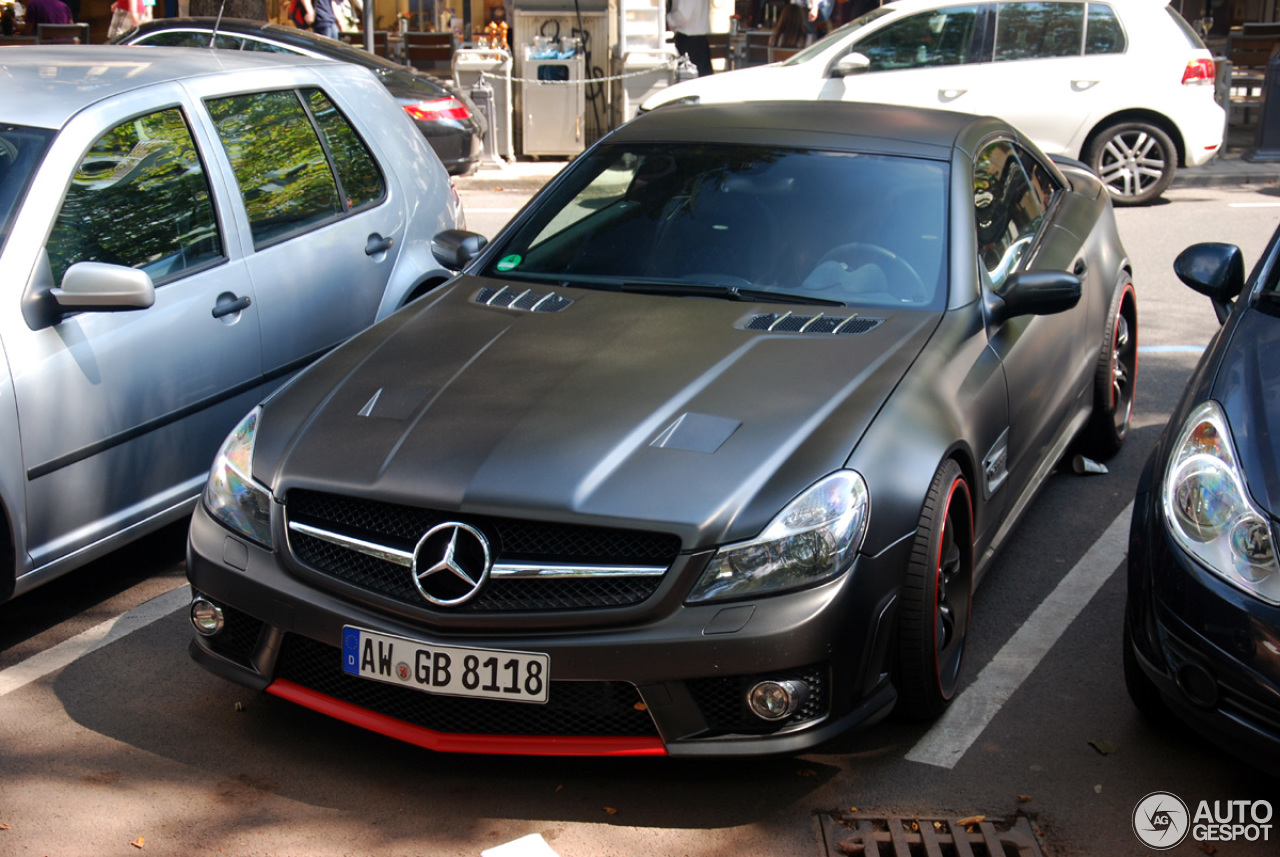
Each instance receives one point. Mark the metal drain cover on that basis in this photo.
(855, 833)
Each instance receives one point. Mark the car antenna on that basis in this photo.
(216, 22)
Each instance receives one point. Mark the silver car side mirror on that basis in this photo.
(851, 64)
(98, 286)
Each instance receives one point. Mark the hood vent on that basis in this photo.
(821, 323)
(526, 299)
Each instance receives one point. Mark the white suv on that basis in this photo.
(1126, 86)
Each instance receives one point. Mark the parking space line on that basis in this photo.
(950, 738)
(40, 665)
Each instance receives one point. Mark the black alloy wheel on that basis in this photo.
(1115, 379)
(937, 598)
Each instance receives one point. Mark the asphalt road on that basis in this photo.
(112, 742)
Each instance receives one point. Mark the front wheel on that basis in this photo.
(937, 596)
(1135, 160)
(1114, 380)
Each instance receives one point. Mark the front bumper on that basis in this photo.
(672, 682)
(1212, 651)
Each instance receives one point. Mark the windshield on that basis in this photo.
(21, 150)
(838, 35)
(740, 221)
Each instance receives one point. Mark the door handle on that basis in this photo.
(946, 95)
(1081, 268)
(234, 305)
(377, 244)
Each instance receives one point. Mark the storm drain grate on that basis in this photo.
(851, 833)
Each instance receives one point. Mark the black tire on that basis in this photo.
(937, 598)
(1115, 379)
(1135, 160)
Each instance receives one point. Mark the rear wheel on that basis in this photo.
(937, 595)
(1114, 379)
(1135, 160)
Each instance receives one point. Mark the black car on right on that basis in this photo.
(1202, 618)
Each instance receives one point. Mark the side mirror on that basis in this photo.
(1215, 270)
(851, 64)
(454, 248)
(101, 287)
(1036, 293)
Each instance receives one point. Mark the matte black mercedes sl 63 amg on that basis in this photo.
(704, 454)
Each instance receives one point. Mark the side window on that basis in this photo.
(361, 181)
(938, 38)
(266, 47)
(1042, 181)
(1038, 30)
(188, 39)
(1104, 34)
(285, 170)
(139, 198)
(1007, 210)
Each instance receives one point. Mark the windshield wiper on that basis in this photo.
(731, 293)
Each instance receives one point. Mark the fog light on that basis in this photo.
(206, 617)
(777, 700)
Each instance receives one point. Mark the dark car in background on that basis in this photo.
(442, 112)
(703, 455)
(1202, 622)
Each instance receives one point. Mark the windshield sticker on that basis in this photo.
(509, 262)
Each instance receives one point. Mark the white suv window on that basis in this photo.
(1104, 34)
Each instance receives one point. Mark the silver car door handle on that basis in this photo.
(229, 304)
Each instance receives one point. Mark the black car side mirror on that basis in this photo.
(454, 248)
(1215, 270)
(1036, 293)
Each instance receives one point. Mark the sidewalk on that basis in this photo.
(1231, 167)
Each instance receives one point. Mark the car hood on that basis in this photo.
(1248, 388)
(760, 83)
(615, 409)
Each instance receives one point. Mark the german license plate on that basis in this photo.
(446, 670)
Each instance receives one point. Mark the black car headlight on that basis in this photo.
(231, 495)
(813, 539)
(1210, 514)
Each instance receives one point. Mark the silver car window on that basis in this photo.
(139, 198)
(1038, 30)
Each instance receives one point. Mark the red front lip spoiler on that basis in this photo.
(506, 745)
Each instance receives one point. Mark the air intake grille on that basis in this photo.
(819, 324)
(511, 540)
(522, 299)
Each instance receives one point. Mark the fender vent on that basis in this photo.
(527, 300)
(821, 323)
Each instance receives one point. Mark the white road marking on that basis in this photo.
(1253, 205)
(40, 665)
(975, 707)
(1170, 349)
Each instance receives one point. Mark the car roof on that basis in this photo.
(46, 86)
(841, 125)
(304, 40)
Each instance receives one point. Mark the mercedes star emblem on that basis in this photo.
(450, 563)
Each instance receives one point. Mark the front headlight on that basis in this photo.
(1209, 511)
(813, 539)
(231, 495)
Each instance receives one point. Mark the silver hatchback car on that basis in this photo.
(180, 232)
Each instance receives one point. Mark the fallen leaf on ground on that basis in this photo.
(973, 819)
(1024, 798)
(5, 827)
(1106, 748)
(139, 842)
(610, 810)
(851, 848)
(806, 772)
(1207, 848)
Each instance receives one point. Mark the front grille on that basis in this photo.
(574, 708)
(723, 701)
(511, 540)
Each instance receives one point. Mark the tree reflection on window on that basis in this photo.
(278, 161)
(139, 198)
